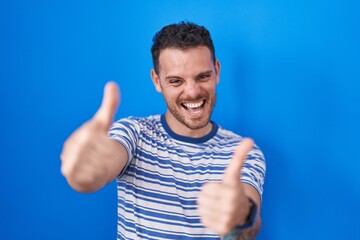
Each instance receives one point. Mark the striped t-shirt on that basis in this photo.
(157, 189)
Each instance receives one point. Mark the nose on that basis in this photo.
(192, 90)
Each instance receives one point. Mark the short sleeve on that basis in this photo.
(254, 169)
(126, 131)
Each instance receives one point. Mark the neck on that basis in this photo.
(181, 129)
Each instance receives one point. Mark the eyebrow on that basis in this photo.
(167, 78)
(209, 72)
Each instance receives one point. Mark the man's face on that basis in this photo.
(187, 79)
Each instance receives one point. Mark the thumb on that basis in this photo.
(105, 114)
(233, 171)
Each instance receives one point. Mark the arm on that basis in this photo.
(251, 232)
(89, 158)
(225, 205)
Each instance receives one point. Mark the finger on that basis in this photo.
(105, 114)
(233, 171)
(211, 190)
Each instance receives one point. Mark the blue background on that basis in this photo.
(290, 79)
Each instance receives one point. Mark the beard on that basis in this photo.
(178, 111)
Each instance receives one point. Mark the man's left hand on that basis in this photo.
(224, 205)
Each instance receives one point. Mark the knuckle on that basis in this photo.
(223, 228)
(200, 199)
(227, 208)
(64, 170)
(204, 187)
(201, 214)
(209, 187)
(220, 229)
(84, 137)
(208, 223)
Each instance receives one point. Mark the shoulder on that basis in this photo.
(138, 124)
(139, 121)
(227, 137)
(230, 139)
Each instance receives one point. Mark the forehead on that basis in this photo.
(174, 61)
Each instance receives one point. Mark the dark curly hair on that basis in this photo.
(183, 35)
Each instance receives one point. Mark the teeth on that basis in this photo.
(194, 105)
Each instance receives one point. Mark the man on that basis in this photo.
(180, 175)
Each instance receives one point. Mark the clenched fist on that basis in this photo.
(224, 205)
(89, 158)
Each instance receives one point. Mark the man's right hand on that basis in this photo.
(89, 158)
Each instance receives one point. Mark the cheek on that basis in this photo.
(211, 91)
(170, 98)
(172, 95)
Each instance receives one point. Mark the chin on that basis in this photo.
(197, 123)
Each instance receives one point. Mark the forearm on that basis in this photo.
(246, 234)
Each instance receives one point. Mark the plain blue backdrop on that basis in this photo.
(290, 79)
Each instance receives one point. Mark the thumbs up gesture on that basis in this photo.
(89, 158)
(224, 205)
(105, 114)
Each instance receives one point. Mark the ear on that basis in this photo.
(217, 71)
(156, 80)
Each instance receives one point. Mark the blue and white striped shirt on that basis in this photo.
(157, 189)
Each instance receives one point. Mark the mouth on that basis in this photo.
(194, 108)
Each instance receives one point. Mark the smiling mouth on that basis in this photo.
(193, 107)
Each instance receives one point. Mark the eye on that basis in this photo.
(175, 82)
(204, 77)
